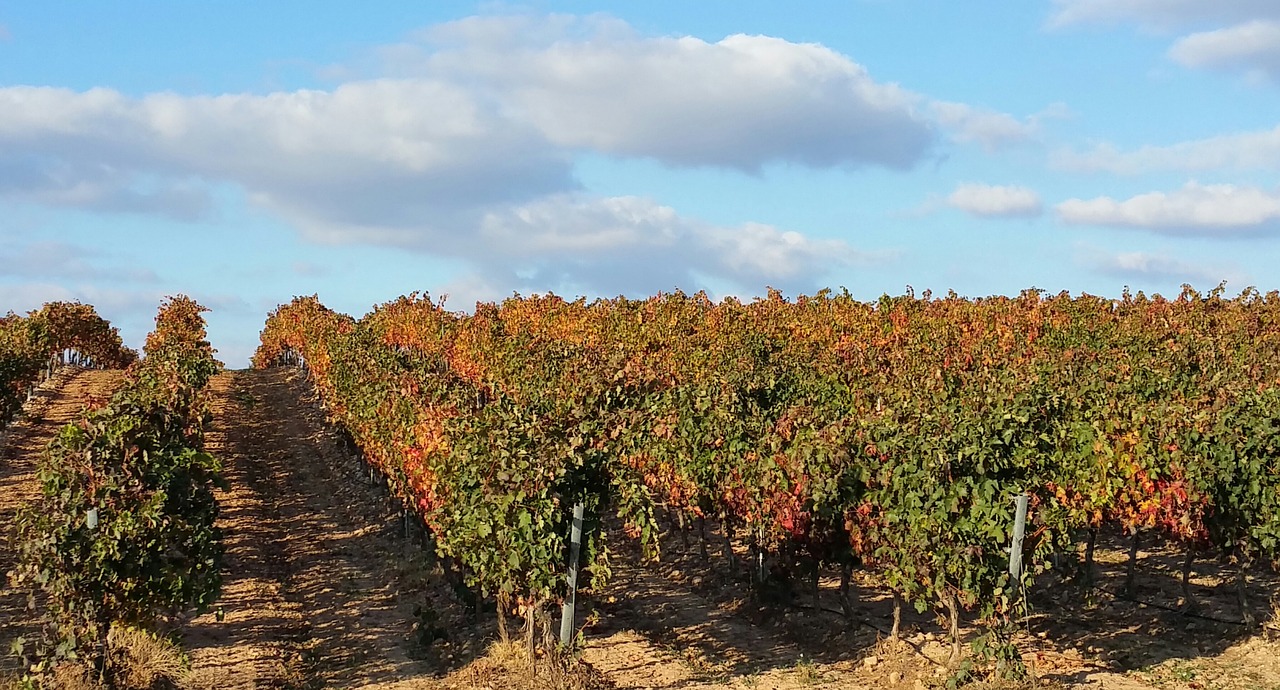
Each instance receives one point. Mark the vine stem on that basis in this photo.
(1091, 543)
(1188, 604)
(1131, 574)
(953, 611)
(846, 574)
(896, 632)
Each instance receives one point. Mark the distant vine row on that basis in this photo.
(32, 346)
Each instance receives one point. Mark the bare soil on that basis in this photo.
(691, 619)
(322, 589)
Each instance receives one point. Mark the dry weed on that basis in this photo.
(140, 659)
(1271, 628)
(206, 679)
(506, 665)
(74, 676)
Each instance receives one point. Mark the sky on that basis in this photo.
(247, 152)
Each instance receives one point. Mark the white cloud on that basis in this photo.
(101, 187)
(1258, 150)
(1160, 14)
(381, 154)
(118, 305)
(25, 297)
(1253, 46)
(1195, 209)
(995, 200)
(1148, 266)
(467, 149)
(633, 245)
(1233, 34)
(480, 122)
(993, 130)
(741, 102)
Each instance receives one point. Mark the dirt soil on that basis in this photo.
(690, 621)
(322, 588)
(57, 402)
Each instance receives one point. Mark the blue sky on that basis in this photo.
(244, 153)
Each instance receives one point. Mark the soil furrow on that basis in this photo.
(314, 591)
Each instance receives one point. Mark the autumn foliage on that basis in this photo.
(891, 435)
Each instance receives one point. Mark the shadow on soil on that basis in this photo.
(691, 601)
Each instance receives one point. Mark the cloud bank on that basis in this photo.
(1159, 14)
(1195, 209)
(463, 142)
(1236, 34)
(1240, 151)
(1253, 47)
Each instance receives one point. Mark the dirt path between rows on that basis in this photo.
(659, 634)
(57, 402)
(320, 588)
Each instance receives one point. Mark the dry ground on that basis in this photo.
(322, 586)
(696, 607)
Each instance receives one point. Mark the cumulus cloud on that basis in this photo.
(1164, 268)
(380, 154)
(418, 159)
(1195, 209)
(464, 143)
(1253, 46)
(628, 245)
(741, 102)
(995, 200)
(1160, 14)
(1258, 150)
(993, 130)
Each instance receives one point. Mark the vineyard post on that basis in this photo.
(567, 612)
(1019, 533)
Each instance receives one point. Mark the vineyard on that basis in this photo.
(823, 455)
(121, 535)
(889, 437)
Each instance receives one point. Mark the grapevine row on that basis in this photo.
(31, 345)
(889, 435)
(123, 533)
